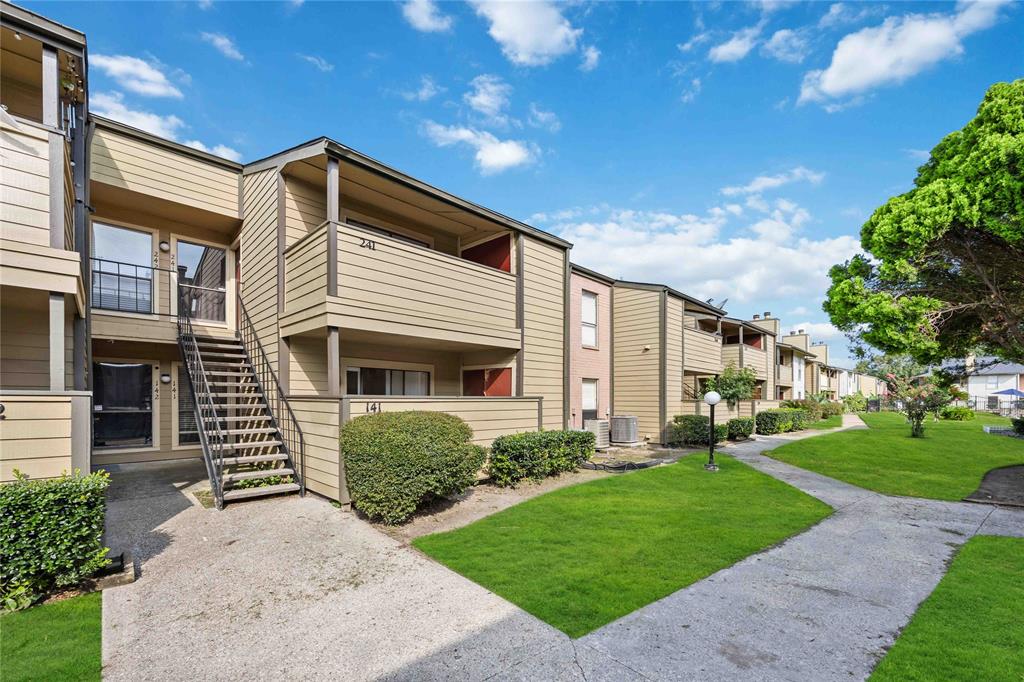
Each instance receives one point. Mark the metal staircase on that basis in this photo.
(251, 442)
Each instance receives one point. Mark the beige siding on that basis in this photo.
(305, 209)
(757, 360)
(488, 417)
(141, 166)
(319, 420)
(703, 351)
(35, 436)
(636, 351)
(259, 258)
(404, 289)
(769, 364)
(25, 341)
(25, 184)
(306, 275)
(543, 327)
(673, 351)
(308, 365)
(731, 355)
(786, 375)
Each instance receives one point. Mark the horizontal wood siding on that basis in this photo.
(703, 352)
(786, 375)
(140, 166)
(768, 362)
(635, 314)
(305, 273)
(731, 355)
(35, 436)
(421, 292)
(488, 417)
(543, 326)
(305, 209)
(308, 373)
(259, 258)
(25, 184)
(674, 354)
(320, 422)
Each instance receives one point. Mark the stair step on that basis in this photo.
(231, 394)
(221, 354)
(224, 363)
(249, 446)
(233, 383)
(256, 473)
(247, 432)
(243, 493)
(240, 406)
(241, 418)
(237, 345)
(255, 459)
(228, 372)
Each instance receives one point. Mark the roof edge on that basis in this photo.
(592, 274)
(674, 292)
(43, 28)
(176, 147)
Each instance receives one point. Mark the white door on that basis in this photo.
(589, 399)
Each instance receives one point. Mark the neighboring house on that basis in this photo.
(986, 376)
(590, 346)
(791, 368)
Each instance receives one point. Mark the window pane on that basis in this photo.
(352, 381)
(589, 311)
(589, 394)
(397, 383)
(202, 272)
(188, 432)
(589, 335)
(122, 273)
(375, 381)
(417, 383)
(122, 404)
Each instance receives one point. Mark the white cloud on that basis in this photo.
(205, 4)
(489, 96)
(491, 154)
(799, 310)
(135, 75)
(698, 39)
(766, 182)
(111, 105)
(428, 90)
(738, 46)
(918, 154)
(691, 253)
(223, 44)
(319, 62)
(898, 49)
(529, 33)
(591, 56)
(839, 14)
(424, 15)
(820, 331)
(217, 150)
(787, 45)
(547, 120)
(691, 92)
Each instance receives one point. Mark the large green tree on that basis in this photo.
(943, 272)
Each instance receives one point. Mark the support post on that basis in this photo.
(56, 341)
(51, 98)
(333, 362)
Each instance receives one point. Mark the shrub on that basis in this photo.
(831, 409)
(51, 534)
(740, 427)
(781, 420)
(537, 454)
(957, 414)
(855, 402)
(1018, 425)
(811, 407)
(692, 429)
(396, 461)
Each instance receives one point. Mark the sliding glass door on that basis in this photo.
(122, 405)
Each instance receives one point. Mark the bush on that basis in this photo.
(538, 454)
(781, 420)
(396, 461)
(831, 409)
(740, 427)
(51, 534)
(957, 414)
(1018, 425)
(811, 407)
(855, 402)
(692, 429)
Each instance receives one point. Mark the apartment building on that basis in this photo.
(159, 302)
(590, 346)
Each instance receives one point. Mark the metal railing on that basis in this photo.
(281, 413)
(123, 287)
(212, 438)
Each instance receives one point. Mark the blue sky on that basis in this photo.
(729, 149)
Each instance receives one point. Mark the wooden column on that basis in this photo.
(333, 362)
(333, 333)
(56, 342)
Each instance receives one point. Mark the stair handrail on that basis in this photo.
(202, 400)
(281, 414)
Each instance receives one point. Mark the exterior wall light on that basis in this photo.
(165, 378)
(712, 398)
(165, 247)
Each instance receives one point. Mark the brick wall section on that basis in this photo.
(589, 363)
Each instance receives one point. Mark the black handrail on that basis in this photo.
(211, 437)
(281, 413)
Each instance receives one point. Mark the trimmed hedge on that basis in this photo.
(740, 428)
(812, 407)
(1018, 425)
(692, 429)
(957, 414)
(781, 420)
(51, 535)
(396, 461)
(538, 454)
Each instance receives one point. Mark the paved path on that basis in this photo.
(246, 594)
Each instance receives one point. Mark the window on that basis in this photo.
(122, 272)
(588, 317)
(992, 382)
(122, 404)
(589, 399)
(202, 272)
(380, 381)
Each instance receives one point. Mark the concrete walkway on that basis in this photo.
(295, 589)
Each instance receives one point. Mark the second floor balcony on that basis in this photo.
(356, 278)
(702, 351)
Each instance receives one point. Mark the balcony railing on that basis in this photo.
(141, 289)
(702, 351)
(786, 375)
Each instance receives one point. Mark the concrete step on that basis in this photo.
(245, 493)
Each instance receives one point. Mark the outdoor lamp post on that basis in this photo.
(711, 398)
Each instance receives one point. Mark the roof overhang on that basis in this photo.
(42, 29)
(176, 147)
(591, 274)
(695, 304)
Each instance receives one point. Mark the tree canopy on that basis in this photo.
(943, 272)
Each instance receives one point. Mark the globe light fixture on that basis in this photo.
(712, 398)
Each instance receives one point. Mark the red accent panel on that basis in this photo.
(473, 382)
(498, 382)
(497, 253)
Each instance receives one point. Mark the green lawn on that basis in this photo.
(947, 464)
(971, 627)
(59, 641)
(833, 422)
(583, 556)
